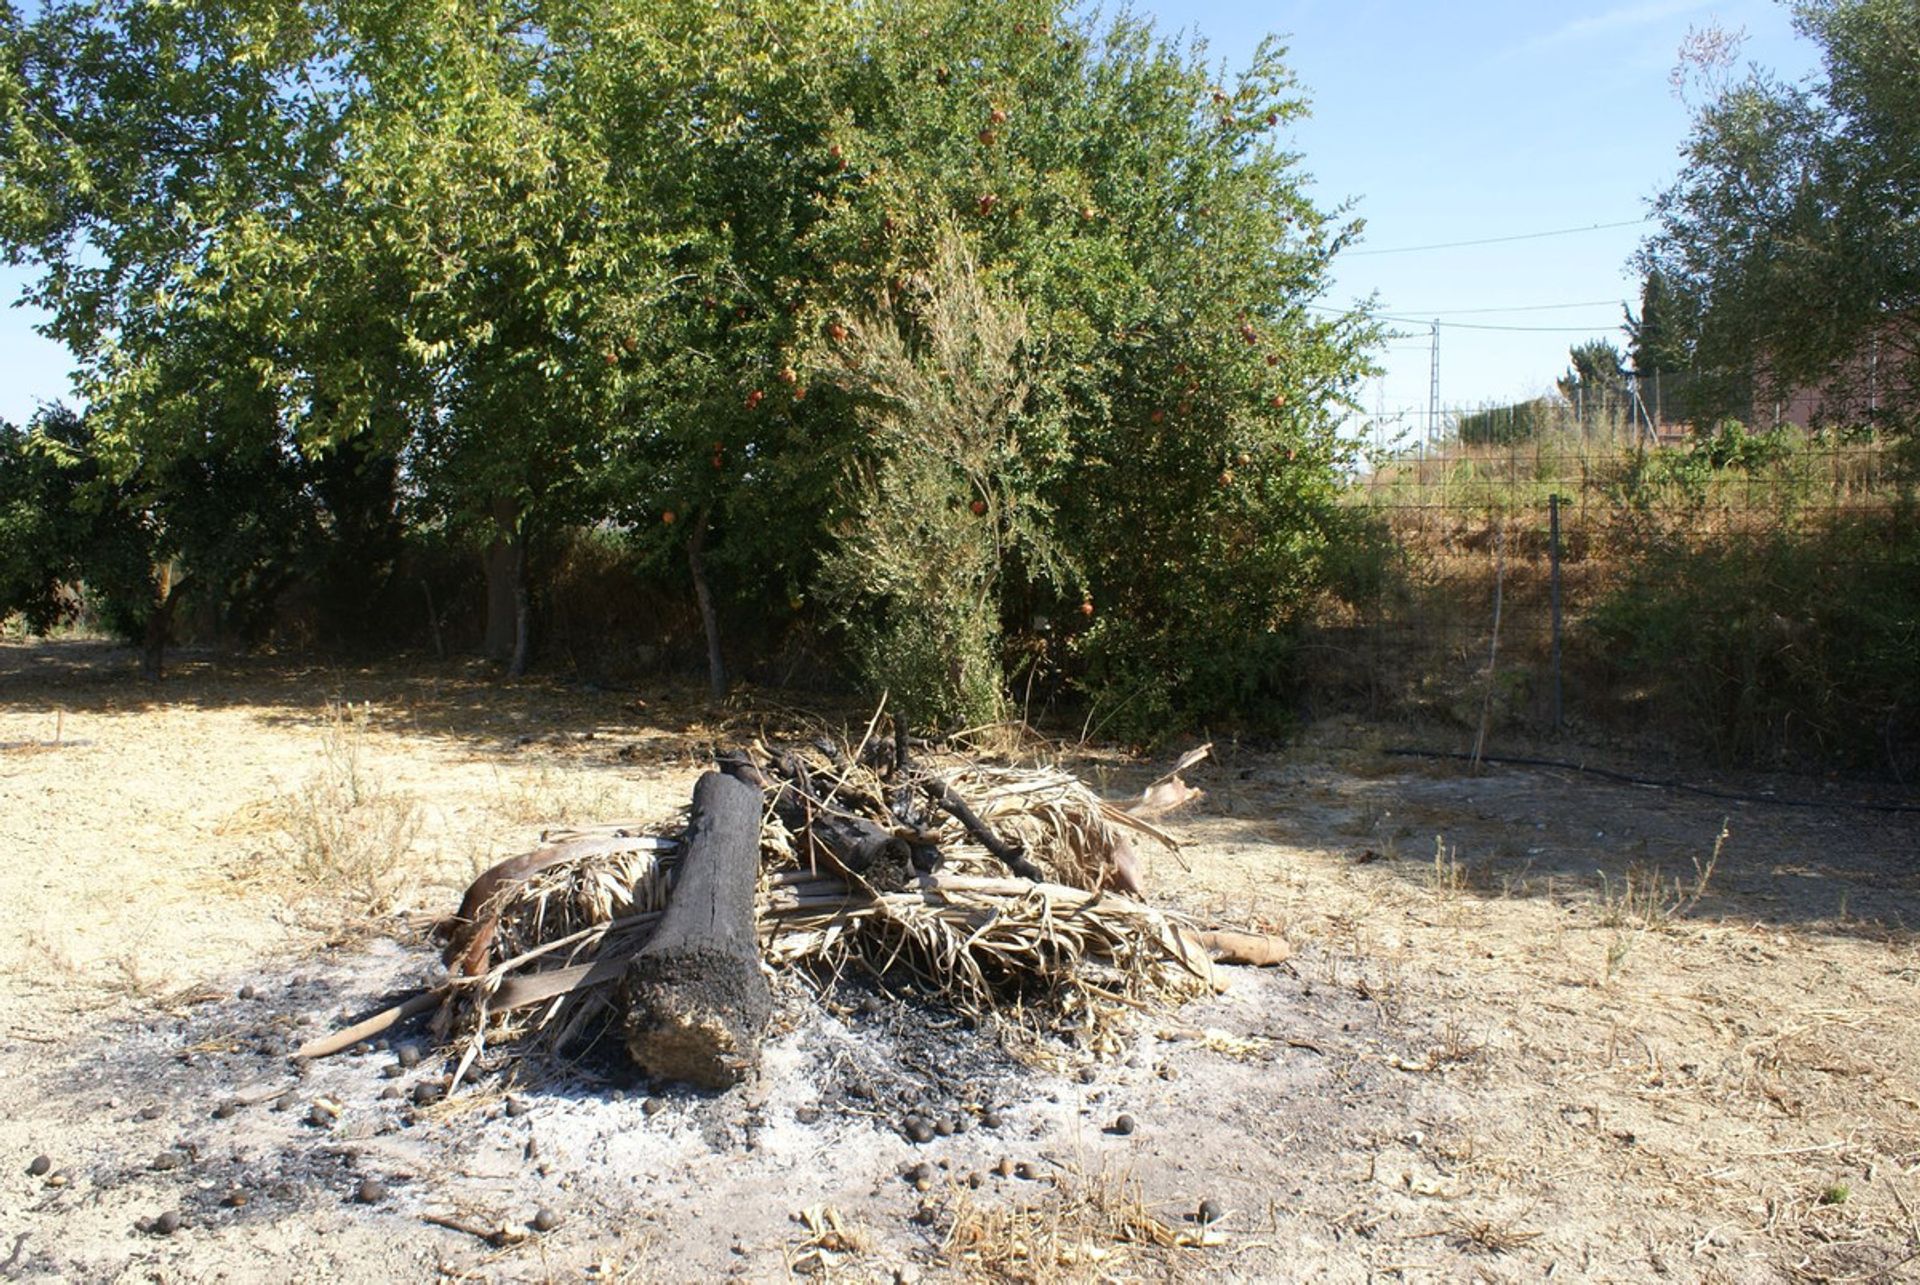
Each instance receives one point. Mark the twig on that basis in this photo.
(1012, 855)
(495, 1236)
(1493, 650)
(330, 1044)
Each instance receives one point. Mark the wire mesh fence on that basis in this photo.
(1754, 595)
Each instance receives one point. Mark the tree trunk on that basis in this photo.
(506, 566)
(159, 626)
(522, 618)
(153, 649)
(709, 620)
(697, 1002)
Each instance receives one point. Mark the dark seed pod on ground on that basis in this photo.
(918, 1130)
(1211, 1211)
(371, 1191)
(166, 1160)
(167, 1224)
(409, 1055)
(654, 1106)
(1025, 1170)
(1123, 1125)
(426, 1093)
(944, 1127)
(1004, 1168)
(39, 1165)
(149, 1113)
(226, 1110)
(546, 1220)
(235, 1199)
(516, 1106)
(990, 1118)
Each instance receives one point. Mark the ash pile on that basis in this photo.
(1009, 897)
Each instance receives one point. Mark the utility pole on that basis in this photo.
(1433, 388)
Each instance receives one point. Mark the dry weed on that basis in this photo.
(549, 797)
(1644, 901)
(1090, 1227)
(1449, 876)
(831, 1241)
(347, 832)
(1489, 1236)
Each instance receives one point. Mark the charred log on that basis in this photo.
(697, 1001)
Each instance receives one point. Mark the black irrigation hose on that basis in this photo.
(1408, 751)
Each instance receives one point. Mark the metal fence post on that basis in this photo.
(1553, 556)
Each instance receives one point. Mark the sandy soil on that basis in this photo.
(1504, 1050)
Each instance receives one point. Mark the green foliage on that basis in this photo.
(941, 501)
(1595, 386)
(1789, 248)
(532, 265)
(1656, 340)
(1593, 398)
(60, 522)
(1773, 626)
(227, 526)
(1505, 425)
(1721, 464)
(1779, 643)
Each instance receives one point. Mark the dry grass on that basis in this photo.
(831, 1241)
(1086, 1227)
(1693, 1121)
(550, 796)
(347, 834)
(1644, 900)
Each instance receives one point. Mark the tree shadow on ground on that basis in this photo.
(462, 700)
(1629, 850)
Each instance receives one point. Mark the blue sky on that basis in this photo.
(1442, 123)
(1447, 123)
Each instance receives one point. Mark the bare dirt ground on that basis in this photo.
(1505, 1048)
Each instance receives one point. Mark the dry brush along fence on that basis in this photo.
(1008, 895)
(1746, 594)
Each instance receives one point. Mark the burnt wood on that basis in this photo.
(1012, 855)
(697, 1001)
(830, 835)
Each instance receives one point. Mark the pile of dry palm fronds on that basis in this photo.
(541, 940)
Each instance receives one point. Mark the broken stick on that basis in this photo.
(1011, 855)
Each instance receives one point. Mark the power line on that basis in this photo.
(1428, 318)
(1536, 330)
(1499, 240)
(1532, 307)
